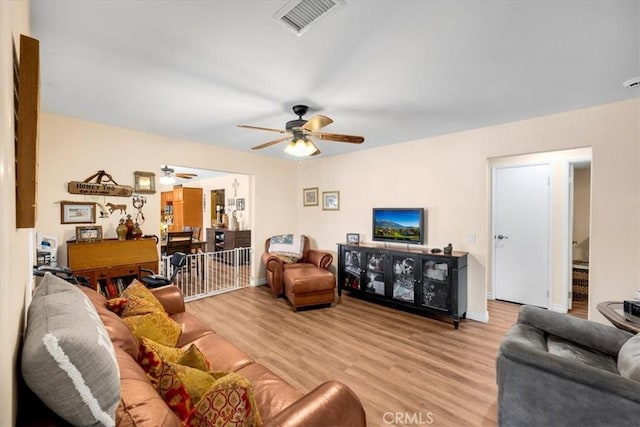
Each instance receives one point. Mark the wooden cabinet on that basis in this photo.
(222, 239)
(186, 205)
(111, 265)
(414, 280)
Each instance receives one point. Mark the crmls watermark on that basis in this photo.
(408, 418)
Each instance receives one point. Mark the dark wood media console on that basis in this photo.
(410, 279)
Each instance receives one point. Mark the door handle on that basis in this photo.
(500, 237)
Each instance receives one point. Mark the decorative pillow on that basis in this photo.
(151, 355)
(229, 402)
(196, 381)
(68, 359)
(194, 358)
(287, 259)
(155, 326)
(117, 305)
(136, 306)
(141, 291)
(286, 244)
(173, 391)
(629, 359)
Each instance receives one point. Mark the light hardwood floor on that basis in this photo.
(395, 362)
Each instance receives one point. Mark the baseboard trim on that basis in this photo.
(259, 282)
(479, 317)
(559, 308)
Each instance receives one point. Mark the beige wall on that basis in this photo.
(15, 263)
(449, 175)
(72, 150)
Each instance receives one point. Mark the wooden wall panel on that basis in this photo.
(27, 132)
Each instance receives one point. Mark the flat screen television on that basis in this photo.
(399, 225)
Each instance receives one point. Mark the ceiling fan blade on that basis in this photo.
(317, 122)
(353, 139)
(270, 143)
(186, 175)
(261, 128)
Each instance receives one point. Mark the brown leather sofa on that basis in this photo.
(330, 404)
(276, 268)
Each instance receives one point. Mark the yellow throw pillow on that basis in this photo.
(151, 354)
(196, 381)
(229, 402)
(136, 306)
(155, 326)
(194, 358)
(141, 291)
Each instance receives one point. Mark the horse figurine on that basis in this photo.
(121, 208)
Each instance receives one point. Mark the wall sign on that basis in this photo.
(104, 185)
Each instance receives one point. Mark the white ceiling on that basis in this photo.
(391, 71)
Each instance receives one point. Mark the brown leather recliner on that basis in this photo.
(275, 267)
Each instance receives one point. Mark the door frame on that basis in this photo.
(567, 229)
(511, 163)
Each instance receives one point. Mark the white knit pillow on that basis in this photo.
(629, 359)
(68, 359)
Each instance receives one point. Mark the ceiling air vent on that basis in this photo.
(298, 15)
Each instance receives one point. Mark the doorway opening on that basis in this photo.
(217, 208)
(569, 223)
(579, 227)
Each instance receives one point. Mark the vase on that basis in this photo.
(130, 225)
(136, 233)
(121, 230)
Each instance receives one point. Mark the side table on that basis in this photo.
(614, 312)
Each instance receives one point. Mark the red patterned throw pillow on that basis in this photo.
(117, 305)
(173, 391)
(230, 402)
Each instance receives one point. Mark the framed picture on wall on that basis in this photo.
(310, 196)
(77, 212)
(88, 233)
(330, 200)
(145, 182)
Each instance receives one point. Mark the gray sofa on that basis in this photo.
(557, 370)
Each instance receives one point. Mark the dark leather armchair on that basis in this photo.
(275, 267)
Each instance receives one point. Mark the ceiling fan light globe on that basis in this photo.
(167, 180)
(300, 148)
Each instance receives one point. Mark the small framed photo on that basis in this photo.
(310, 196)
(240, 204)
(330, 200)
(353, 238)
(145, 182)
(88, 233)
(77, 212)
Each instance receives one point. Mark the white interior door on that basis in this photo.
(521, 221)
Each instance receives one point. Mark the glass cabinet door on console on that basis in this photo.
(436, 290)
(404, 278)
(351, 259)
(374, 275)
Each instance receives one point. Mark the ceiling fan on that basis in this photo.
(300, 132)
(169, 173)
